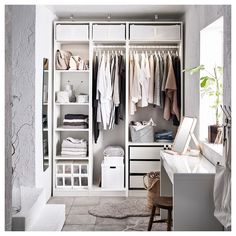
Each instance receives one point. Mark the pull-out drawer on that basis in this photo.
(136, 181)
(144, 166)
(108, 32)
(72, 32)
(145, 153)
(155, 32)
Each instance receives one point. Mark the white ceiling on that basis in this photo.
(118, 12)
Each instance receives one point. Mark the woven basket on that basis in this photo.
(151, 182)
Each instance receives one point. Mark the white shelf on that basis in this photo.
(64, 158)
(72, 71)
(45, 103)
(150, 144)
(45, 129)
(71, 129)
(72, 42)
(72, 104)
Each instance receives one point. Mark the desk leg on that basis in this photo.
(165, 189)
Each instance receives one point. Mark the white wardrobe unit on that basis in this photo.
(81, 176)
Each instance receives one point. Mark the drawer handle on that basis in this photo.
(112, 167)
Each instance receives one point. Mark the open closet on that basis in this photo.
(111, 60)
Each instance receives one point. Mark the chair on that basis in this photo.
(162, 203)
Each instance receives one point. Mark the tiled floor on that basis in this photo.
(78, 218)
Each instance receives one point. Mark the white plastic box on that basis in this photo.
(71, 32)
(114, 160)
(112, 176)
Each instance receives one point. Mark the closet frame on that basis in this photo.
(92, 190)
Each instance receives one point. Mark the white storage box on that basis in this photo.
(142, 32)
(109, 32)
(112, 176)
(72, 32)
(113, 160)
(168, 32)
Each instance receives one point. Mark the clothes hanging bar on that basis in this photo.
(154, 47)
(109, 46)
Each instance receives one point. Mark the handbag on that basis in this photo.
(63, 59)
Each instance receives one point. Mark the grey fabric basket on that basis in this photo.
(144, 135)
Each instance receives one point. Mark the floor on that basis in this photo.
(78, 218)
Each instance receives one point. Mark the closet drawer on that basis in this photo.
(168, 32)
(136, 181)
(144, 166)
(108, 32)
(72, 32)
(145, 152)
(155, 32)
(142, 32)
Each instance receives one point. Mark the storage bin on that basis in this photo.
(113, 160)
(72, 32)
(108, 32)
(112, 176)
(142, 32)
(144, 135)
(168, 32)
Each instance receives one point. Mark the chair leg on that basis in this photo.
(169, 220)
(151, 218)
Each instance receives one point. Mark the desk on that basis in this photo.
(190, 181)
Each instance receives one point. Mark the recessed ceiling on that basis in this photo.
(118, 12)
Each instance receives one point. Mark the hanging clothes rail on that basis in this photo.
(109, 46)
(154, 47)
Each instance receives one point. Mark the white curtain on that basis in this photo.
(222, 186)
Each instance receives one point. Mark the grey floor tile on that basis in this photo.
(79, 210)
(61, 200)
(86, 201)
(110, 227)
(112, 221)
(78, 228)
(80, 220)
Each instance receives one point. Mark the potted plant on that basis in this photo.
(211, 86)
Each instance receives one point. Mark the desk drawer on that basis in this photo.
(144, 166)
(136, 181)
(145, 152)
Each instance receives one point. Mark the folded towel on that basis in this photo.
(76, 116)
(113, 151)
(79, 154)
(84, 149)
(74, 143)
(82, 124)
(75, 120)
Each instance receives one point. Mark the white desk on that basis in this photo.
(190, 180)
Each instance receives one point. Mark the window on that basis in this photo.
(211, 56)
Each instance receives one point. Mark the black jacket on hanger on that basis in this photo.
(95, 101)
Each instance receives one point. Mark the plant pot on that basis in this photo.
(212, 133)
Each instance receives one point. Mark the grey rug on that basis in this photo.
(122, 209)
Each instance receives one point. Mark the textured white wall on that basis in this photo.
(43, 49)
(23, 92)
(8, 78)
(197, 18)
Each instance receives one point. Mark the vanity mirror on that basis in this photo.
(184, 135)
(45, 114)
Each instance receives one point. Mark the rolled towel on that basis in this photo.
(76, 116)
(113, 151)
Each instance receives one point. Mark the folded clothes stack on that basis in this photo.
(74, 147)
(113, 151)
(164, 136)
(79, 121)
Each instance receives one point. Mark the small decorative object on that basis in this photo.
(86, 65)
(63, 97)
(69, 89)
(80, 64)
(82, 98)
(211, 85)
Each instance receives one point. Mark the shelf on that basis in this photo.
(45, 129)
(86, 42)
(45, 103)
(64, 158)
(150, 144)
(72, 71)
(71, 129)
(72, 104)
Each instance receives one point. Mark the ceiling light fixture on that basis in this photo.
(109, 17)
(156, 17)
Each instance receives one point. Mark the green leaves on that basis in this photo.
(195, 69)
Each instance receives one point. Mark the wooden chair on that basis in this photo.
(162, 203)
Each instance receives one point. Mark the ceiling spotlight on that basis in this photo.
(109, 16)
(71, 16)
(156, 17)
